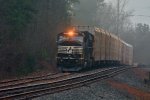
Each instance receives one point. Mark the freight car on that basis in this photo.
(78, 49)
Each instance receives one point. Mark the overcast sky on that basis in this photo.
(139, 7)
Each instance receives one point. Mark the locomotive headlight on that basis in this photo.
(71, 34)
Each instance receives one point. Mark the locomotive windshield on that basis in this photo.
(75, 38)
(72, 39)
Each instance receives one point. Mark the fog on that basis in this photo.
(140, 7)
(28, 36)
(133, 22)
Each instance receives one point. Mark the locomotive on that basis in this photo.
(78, 49)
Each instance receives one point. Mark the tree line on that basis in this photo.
(28, 30)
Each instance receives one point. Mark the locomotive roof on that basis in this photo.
(63, 33)
(79, 32)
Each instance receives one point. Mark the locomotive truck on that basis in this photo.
(78, 49)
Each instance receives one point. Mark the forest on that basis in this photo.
(28, 30)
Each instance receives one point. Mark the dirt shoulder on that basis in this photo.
(132, 83)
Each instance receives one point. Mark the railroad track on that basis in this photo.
(36, 89)
(21, 81)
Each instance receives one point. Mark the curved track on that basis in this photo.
(52, 85)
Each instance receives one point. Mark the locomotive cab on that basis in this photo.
(74, 50)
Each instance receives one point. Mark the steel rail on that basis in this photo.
(28, 81)
(56, 85)
(24, 78)
(52, 81)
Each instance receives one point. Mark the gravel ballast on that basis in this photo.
(102, 90)
(96, 91)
